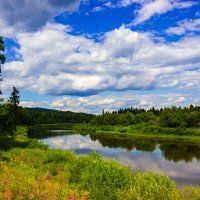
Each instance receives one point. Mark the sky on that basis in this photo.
(89, 56)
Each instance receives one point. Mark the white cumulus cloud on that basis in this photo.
(55, 62)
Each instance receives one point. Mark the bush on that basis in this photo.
(122, 130)
(106, 179)
(149, 186)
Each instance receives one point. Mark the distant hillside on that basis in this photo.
(29, 116)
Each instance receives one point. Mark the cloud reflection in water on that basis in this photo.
(182, 172)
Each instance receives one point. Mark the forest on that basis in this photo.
(30, 116)
(165, 117)
(177, 119)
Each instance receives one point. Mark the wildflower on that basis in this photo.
(70, 197)
(48, 177)
(55, 197)
(39, 180)
(6, 182)
(7, 194)
(44, 196)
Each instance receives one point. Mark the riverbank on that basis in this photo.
(128, 132)
(31, 170)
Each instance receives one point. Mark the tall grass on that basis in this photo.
(58, 174)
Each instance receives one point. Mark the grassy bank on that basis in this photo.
(32, 171)
(143, 130)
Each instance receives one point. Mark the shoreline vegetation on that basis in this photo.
(32, 171)
(124, 132)
(166, 123)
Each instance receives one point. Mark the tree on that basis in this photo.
(9, 114)
(14, 100)
(2, 57)
(7, 123)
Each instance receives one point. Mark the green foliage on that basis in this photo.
(30, 116)
(149, 186)
(9, 114)
(106, 179)
(19, 139)
(7, 122)
(177, 117)
(14, 98)
(175, 120)
(99, 178)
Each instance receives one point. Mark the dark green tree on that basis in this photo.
(2, 58)
(7, 123)
(14, 100)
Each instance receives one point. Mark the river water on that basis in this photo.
(179, 160)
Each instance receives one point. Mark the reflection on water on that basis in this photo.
(179, 160)
(173, 150)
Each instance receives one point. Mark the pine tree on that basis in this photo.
(14, 100)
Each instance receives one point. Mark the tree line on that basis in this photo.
(30, 116)
(164, 117)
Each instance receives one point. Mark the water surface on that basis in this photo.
(179, 160)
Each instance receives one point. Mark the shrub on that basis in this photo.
(103, 178)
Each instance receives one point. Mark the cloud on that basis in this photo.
(32, 104)
(73, 142)
(184, 26)
(152, 8)
(96, 103)
(158, 7)
(52, 61)
(97, 9)
(176, 100)
(26, 15)
(148, 8)
(180, 100)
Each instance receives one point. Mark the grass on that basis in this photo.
(32, 171)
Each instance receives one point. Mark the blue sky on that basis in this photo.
(87, 56)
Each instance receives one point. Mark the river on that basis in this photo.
(178, 159)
